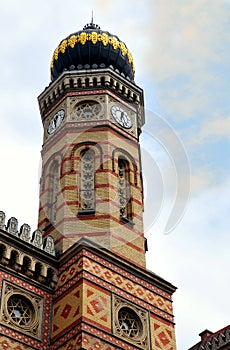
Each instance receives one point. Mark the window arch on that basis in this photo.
(14, 257)
(53, 191)
(87, 181)
(124, 189)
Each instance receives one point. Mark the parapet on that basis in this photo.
(24, 233)
(28, 255)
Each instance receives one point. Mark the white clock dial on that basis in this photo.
(121, 117)
(56, 121)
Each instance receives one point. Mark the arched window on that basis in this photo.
(87, 182)
(53, 191)
(124, 189)
(71, 83)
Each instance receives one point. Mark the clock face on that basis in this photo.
(121, 117)
(56, 121)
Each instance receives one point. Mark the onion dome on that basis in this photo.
(92, 48)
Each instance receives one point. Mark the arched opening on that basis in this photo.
(94, 82)
(13, 262)
(102, 81)
(79, 84)
(50, 275)
(124, 189)
(71, 83)
(38, 270)
(26, 264)
(53, 191)
(87, 182)
(2, 252)
(87, 82)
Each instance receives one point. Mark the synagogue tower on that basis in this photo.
(79, 281)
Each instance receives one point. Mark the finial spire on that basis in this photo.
(91, 25)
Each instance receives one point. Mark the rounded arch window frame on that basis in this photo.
(54, 173)
(125, 189)
(143, 318)
(123, 154)
(75, 161)
(89, 181)
(94, 105)
(131, 176)
(128, 329)
(14, 309)
(34, 302)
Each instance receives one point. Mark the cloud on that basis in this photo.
(195, 257)
(20, 181)
(201, 180)
(185, 60)
(215, 129)
(186, 35)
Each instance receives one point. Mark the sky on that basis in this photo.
(181, 51)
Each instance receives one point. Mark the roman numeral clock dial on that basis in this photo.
(121, 117)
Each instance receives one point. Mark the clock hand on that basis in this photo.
(124, 119)
(55, 121)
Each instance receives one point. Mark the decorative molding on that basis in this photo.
(24, 234)
(94, 37)
(130, 322)
(21, 310)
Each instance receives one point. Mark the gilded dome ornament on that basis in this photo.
(89, 47)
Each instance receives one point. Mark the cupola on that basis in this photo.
(92, 48)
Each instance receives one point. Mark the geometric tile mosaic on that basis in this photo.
(13, 340)
(163, 335)
(99, 279)
(97, 306)
(116, 279)
(67, 310)
(88, 342)
(94, 339)
(85, 301)
(128, 285)
(9, 344)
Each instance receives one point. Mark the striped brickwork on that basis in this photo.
(109, 142)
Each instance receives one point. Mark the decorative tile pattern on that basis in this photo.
(122, 280)
(67, 310)
(88, 342)
(9, 344)
(97, 306)
(8, 335)
(21, 310)
(131, 323)
(113, 268)
(100, 278)
(127, 285)
(163, 335)
(87, 337)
